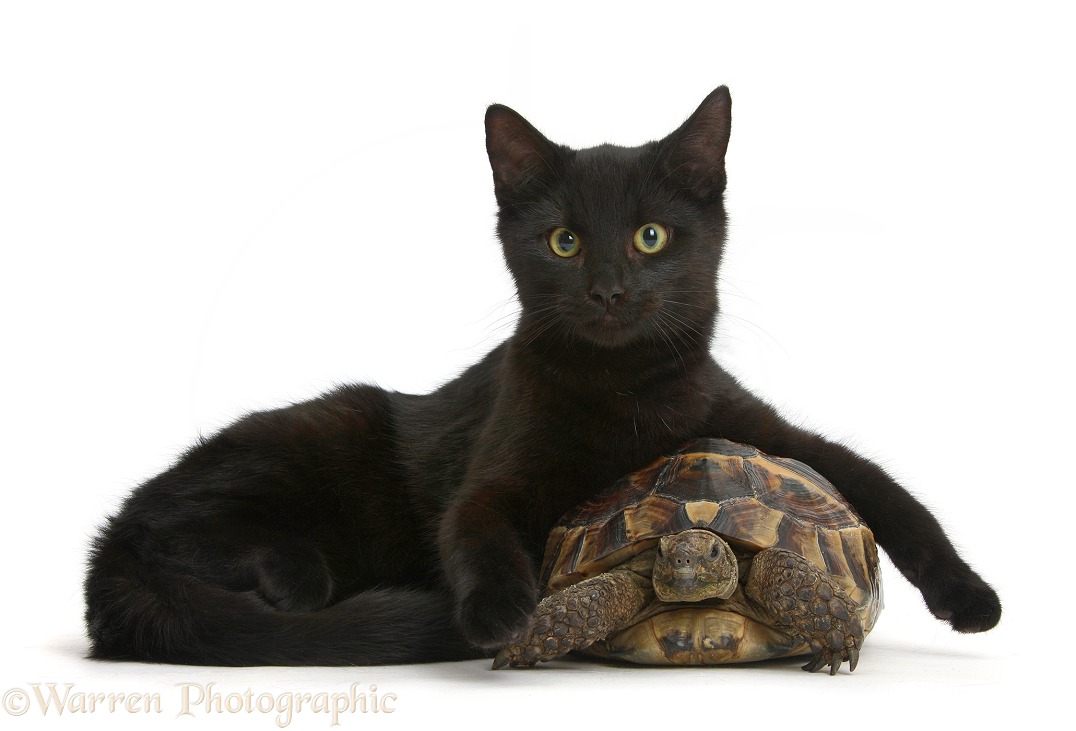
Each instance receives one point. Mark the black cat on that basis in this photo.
(369, 527)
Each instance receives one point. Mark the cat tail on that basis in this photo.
(137, 611)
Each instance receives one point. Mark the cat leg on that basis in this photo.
(486, 565)
(910, 535)
(811, 604)
(577, 617)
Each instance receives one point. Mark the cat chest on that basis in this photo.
(601, 440)
(633, 421)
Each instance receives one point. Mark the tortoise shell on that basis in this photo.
(753, 501)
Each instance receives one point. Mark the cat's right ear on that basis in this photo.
(517, 151)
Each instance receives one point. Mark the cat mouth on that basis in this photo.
(609, 329)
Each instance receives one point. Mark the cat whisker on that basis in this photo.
(760, 331)
(729, 287)
(689, 344)
(499, 321)
(681, 319)
(687, 304)
(660, 322)
(548, 317)
(685, 338)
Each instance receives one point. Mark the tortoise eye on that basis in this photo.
(714, 551)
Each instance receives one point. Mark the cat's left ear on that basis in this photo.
(518, 152)
(694, 155)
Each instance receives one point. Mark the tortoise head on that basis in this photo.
(694, 565)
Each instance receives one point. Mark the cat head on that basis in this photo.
(613, 246)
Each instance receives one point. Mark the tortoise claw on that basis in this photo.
(515, 657)
(833, 660)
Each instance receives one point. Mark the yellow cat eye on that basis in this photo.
(651, 238)
(563, 242)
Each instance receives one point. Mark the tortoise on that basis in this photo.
(716, 554)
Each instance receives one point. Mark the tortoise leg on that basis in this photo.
(575, 618)
(811, 603)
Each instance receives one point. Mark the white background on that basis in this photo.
(213, 207)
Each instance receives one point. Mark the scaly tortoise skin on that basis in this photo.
(716, 554)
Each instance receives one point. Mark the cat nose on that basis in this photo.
(606, 294)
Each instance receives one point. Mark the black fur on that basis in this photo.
(369, 527)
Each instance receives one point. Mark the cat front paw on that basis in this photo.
(968, 605)
(492, 614)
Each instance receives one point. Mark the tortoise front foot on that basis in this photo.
(573, 619)
(812, 604)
